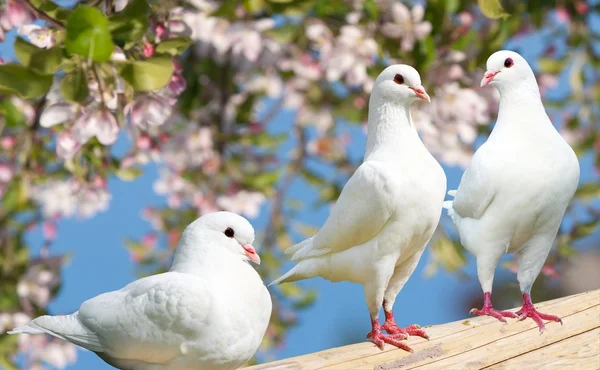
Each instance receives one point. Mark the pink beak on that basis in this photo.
(421, 93)
(251, 253)
(488, 77)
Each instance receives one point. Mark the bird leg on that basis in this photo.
(488, 310)
(392, 328)
(379, 339)
(528, 310)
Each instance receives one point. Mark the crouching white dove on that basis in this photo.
(210, 311)
(515, 192)
(386, 213)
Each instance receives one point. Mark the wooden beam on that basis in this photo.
(476, 343)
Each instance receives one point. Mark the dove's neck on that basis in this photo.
(390, 130)
(521, 108)
(196, 255)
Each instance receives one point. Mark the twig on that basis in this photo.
(293, 169)
(100, 90)
(109, 7)
(43, 15)
(225, 95)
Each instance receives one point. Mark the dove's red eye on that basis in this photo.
(229, 233)
(508, 63)
(399, 79)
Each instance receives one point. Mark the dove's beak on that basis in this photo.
(488, 77)
(251, 253)
(421, 93)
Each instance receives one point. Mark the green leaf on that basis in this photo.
(44, 61)
(128, 174)
(263, 181)
(88, 34)
(17, 79)
(145, 75)
(129, 25)
(174, 46)
(24, 50)
(52, 9)
(253, 6)
(13, 117)
(553, 66)
(492, 9)
(371, 9)
(284, 34)
(74, 86)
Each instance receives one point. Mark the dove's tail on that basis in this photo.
(66, 327)
(448, 205)
(295, 248)
(303, 270)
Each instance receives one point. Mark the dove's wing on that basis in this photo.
(363, 208)
(476, 190)
(150, 319)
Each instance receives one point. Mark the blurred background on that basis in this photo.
(122, 121)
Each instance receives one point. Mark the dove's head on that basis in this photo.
(399, 83)
(507, 68)
(225, 230)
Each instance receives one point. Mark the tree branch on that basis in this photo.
(293, 169)
(43, 15)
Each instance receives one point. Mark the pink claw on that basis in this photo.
(528, 310)
(380, 339)
(488, 310)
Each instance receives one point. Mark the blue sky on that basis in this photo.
(100, 263)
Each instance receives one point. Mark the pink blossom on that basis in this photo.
(49, 230)
(17, 13)
(244, 202)
(407, 25)
(143, 142)
(57, 113)
(160, 30)
(67, 145)
(8, 142)
(465, 19)
(149, 110)
(38, 36)
(149, 49)
(177, 84)
(96, 122)
(550, 271)
(154, 218)
(582, 7)
(149, 240)
(6, 173)
(563, 15)
(70, 198)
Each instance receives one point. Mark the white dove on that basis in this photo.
(514, 194)
(210, 311)
(386, 213)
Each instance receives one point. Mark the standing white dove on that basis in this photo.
(386, 213)
(210, 311)
(516, 190)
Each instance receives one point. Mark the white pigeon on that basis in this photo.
(514, 194)
(210, 311)
(386, 213)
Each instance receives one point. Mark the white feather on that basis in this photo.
(209, 312)
(388, 210)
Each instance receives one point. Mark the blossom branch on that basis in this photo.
(43, 15)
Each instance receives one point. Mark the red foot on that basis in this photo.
(394, 339)
(529, 310)
(488, 310)
(391, 327)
